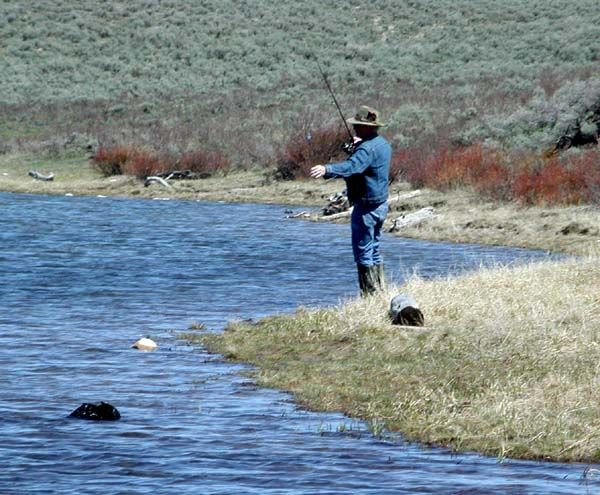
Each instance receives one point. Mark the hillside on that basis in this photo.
(242, 74)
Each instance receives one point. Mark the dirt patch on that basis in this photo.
(478, 224)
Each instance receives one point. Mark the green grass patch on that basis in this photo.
(66, 169)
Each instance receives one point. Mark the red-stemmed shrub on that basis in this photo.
(121, 159)
(587, 165)
(406, 165)
(571, 180)
(204, 163)
(444, 167)
(523, 176)
(523, 187)
(559, 184)
(308, 148)
(495, 181)
(145, 164)
(459, 167)
(111, 160)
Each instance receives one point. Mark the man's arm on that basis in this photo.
(356, 164)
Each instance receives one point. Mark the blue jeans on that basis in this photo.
(366, 223)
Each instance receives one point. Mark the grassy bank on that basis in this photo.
(507, 364)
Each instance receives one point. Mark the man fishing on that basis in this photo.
(366, 174)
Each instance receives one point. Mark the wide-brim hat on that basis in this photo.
(366, 116)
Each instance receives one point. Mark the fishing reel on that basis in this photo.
(351, 145)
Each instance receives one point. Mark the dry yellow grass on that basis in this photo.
(508, 364)
(463, 216)
(76, 176)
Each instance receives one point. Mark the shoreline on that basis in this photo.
(458, 216)
(506, 364)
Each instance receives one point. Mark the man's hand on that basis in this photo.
(317, 171)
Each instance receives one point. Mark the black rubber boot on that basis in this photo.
(367, 279)
(380, 276)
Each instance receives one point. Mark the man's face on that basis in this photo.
(363, 131)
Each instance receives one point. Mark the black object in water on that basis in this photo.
(97, 412)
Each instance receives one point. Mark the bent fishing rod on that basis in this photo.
(349, 146)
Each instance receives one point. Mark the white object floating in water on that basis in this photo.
(145, 344)
(69, 194)
(101, 196)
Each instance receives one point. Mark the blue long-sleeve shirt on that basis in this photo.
(366, 172)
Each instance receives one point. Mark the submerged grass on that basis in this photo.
(507, 365)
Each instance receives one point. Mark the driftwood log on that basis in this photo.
(153, 178)
(39, 176)
(300, 214)
(405, 311)
(338, 203)
(343, 214)
(411, 219)
(182, 175)
(403, 196)
(391, 200)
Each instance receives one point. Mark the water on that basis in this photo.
(83, 278)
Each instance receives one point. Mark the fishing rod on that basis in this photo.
(349, 146)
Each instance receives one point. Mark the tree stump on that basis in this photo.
(405, 311)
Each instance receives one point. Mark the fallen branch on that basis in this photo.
(342, 214)
(394, 199)
(301, 214)
(181, 175)
(153, 178)
(411, 219)
(402, 197)
(38, 176)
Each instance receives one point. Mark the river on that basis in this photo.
(83, 278)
